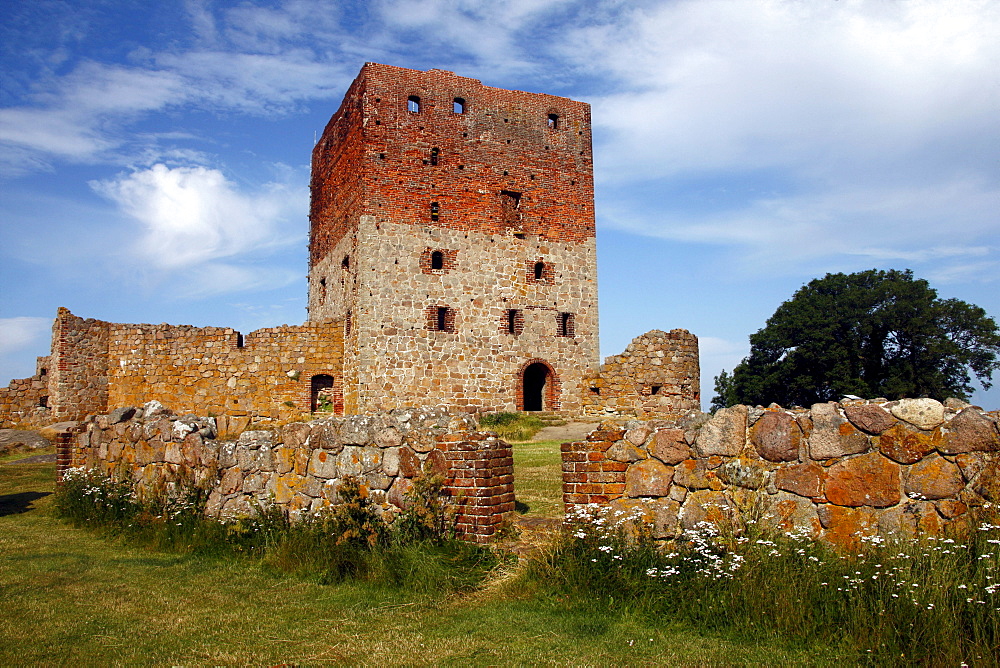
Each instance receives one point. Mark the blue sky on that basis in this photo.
(154, 157)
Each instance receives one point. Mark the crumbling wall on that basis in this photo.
(78, 382)
(215, 370)
(656, 377)
(96, 364)
(299, 466)
(836, 471)
(25, 401)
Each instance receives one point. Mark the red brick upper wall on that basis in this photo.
(375, 158)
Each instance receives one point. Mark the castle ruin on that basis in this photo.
(452, 262)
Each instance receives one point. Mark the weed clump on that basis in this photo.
(920, 600)
(349, 540)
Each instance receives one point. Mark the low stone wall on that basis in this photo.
(836, 471)
(299, 465)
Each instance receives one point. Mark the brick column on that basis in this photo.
(588, 475)
(64, 453)
(481, 479)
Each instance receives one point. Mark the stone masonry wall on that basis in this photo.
(298, 466)
(25, 401)
(496, 183)
(266, 375)
(836, 471)
(656, 377)
(78, 377)
(95, 364)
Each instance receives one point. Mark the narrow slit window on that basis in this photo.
(435, 152)
(513, 321)
(435, 211)
(553, 121)
(441, 319)
(413, 104)
(437, 260)
(565, 325)
(510, 205)
(345, 264)
(458, 105)
(539, 270)
(655, 389)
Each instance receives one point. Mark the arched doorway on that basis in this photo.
(321, 393)
(535, 380)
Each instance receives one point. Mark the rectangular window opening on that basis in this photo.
(413, 104)
(565, 325)
(553, 121)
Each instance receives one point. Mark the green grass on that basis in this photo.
(23, 454)
(538, 478)
(70, 596)
(512, 426)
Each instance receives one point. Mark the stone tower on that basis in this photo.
(452, 231)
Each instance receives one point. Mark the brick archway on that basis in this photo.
(538, 386)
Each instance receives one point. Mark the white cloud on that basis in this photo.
(193, 215)
(23, 332)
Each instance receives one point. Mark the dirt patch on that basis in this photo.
(571, 431)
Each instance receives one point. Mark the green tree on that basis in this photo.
(873, 334)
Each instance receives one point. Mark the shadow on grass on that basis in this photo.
(13, 504)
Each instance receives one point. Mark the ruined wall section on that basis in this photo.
(25, 401)
(267, 375)
(836, 471)
(656, 377)
(79, 366)
(299, 466)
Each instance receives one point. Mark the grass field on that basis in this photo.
(69, 596)
(538, 478)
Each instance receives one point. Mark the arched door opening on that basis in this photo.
(321, 393)
(536, 378)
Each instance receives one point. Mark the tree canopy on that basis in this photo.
(873, 334)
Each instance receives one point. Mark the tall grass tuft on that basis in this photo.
(925, 600)
(512, 426)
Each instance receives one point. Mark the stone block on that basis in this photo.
(693, 474)
(921, 413)
(865, 480)
(906, 445)
(624, 451)
(801, 479)
(649, 477)
(323, 464)
(869, 418)
(970, 431)
(724, 434)
(748, 474)
(669, 446)
(659, 516)
(706, 505)
(832, 436)
(791, 512)
(777, 437)
(933, 478)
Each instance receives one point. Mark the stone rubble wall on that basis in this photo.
(298, 466)
(25, 401)
(95, 365)
(656, 377)
(838, 471)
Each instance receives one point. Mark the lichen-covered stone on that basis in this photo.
(832, 436)
(706, 505)
(649, 477)
(724, 434)
(789, 512)
(921, 413)
(693, 474)
(624, 451)
(659, 515)
(742, 474)
(669, 446)
(865, 480)
(906, 445)
(933, 478)
(801, 479)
